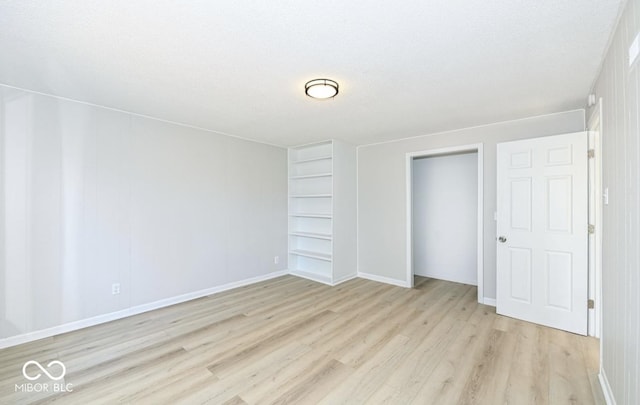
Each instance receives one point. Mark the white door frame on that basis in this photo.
(595, 246)
(476, 147)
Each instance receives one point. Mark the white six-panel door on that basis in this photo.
(542, 262)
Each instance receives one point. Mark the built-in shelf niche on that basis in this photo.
(317, 216)
(311, 205)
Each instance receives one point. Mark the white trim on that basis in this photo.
(441, 275)
(595, 275)
(181, 124)
(289, 217)
(386, 280)
(489, 301)
(480, 224)
(357, 210)
(606, 388)
(476, 147)
(344, 279)
(84, 323)
(409, 218)
(471, 127)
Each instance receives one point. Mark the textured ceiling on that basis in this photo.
(238, 67)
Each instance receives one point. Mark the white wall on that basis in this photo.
(91, 196)
(344, 211)
(445, 217)
(381, 190)
(619, 85)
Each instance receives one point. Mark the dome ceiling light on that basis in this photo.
(321, 88)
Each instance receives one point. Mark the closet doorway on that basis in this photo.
(444, 215)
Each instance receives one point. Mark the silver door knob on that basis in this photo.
(502, 239)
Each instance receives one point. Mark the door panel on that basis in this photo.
(520, 274)
(542, 215)
(559, 205)
(521, 203)
(559, 273)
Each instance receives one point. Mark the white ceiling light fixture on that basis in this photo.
(321, 88)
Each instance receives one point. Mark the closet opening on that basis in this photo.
(445, 215)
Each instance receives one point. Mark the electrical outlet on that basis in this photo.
(115, 288)
(276, 259)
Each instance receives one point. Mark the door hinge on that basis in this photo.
(592, 229)
(591, 153)
(591, 304)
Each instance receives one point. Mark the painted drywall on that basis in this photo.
(619, 86)
(90, 197)
(382, 190)
(344, 211)
(445, 217)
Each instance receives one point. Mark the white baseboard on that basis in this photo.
(345, 278)
(84, 323)
(489, 301)
(445, 276)
(606, 388)
(386, 280)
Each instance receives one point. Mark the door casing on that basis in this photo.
(476, 147)
(594, 126)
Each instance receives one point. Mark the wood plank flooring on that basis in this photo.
(294, 341)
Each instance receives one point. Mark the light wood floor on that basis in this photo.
(290, 340)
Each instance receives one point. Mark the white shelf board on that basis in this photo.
(321, 278)
(310, 215)
(313, 159)
(311, 195)
(311, 254)
(313, 235)
(311, 176)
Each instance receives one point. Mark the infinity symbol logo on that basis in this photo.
(28, 377)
